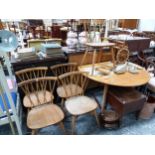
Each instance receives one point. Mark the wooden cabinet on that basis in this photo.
(77, 57)
(128, 23)
(56, 33)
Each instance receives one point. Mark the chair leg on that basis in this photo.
(73, 124)
(137, 114)
(97, 119)
(34, 131)
(92, 113)
(62, 103)
(61, 125)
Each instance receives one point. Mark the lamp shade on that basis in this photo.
(8, 41)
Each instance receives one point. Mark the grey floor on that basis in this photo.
(86, 125)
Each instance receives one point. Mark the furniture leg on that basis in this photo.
(99, 56)
(104, 97)
(93, 63)
(154, 51)
(137, 114)
(97, 119)
(73, 124)
(62, 103)
(113, 56)
(61, 125)
(84, 57)
(34, 132)
(97, 101)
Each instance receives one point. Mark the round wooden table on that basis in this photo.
(126, 79)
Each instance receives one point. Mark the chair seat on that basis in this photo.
(43, 97)
(69, 90)
(44, 115)
(151, 84)
(80, 105)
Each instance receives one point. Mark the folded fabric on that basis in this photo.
(26, 50)
(51, 45)
(14, 97)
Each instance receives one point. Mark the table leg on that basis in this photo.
(84, 57)
(154, 51)
(94, 60)
(99, 55)
(113, 56)
(104, 97)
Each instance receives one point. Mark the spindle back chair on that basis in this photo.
(76, 103)
(39, 96)
(31, 73)
(72, 84)
(38, 91)
(60, 69)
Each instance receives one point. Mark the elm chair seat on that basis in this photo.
(79, 105)
(44, 115)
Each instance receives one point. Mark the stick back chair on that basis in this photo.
(60, 69)
(76, 103)
(31, 73)
(39, 96)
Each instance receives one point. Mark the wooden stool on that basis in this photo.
(125, 100)
(96, 46)
(109, 119)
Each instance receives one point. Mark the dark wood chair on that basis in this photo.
(150, 66)
(39, 99)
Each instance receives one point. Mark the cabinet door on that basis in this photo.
(56, 31)
(129, 23)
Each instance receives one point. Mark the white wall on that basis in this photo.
(146, 25)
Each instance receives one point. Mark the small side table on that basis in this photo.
(97, 46)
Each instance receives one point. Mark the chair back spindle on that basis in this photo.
(38, 91)
(31, 73)
(63, 68)
(75, 78)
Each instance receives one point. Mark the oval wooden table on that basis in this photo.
(126, 79)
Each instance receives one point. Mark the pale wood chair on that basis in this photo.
(60, 69)
(76, 103)
(31, 73)
(39, 97)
